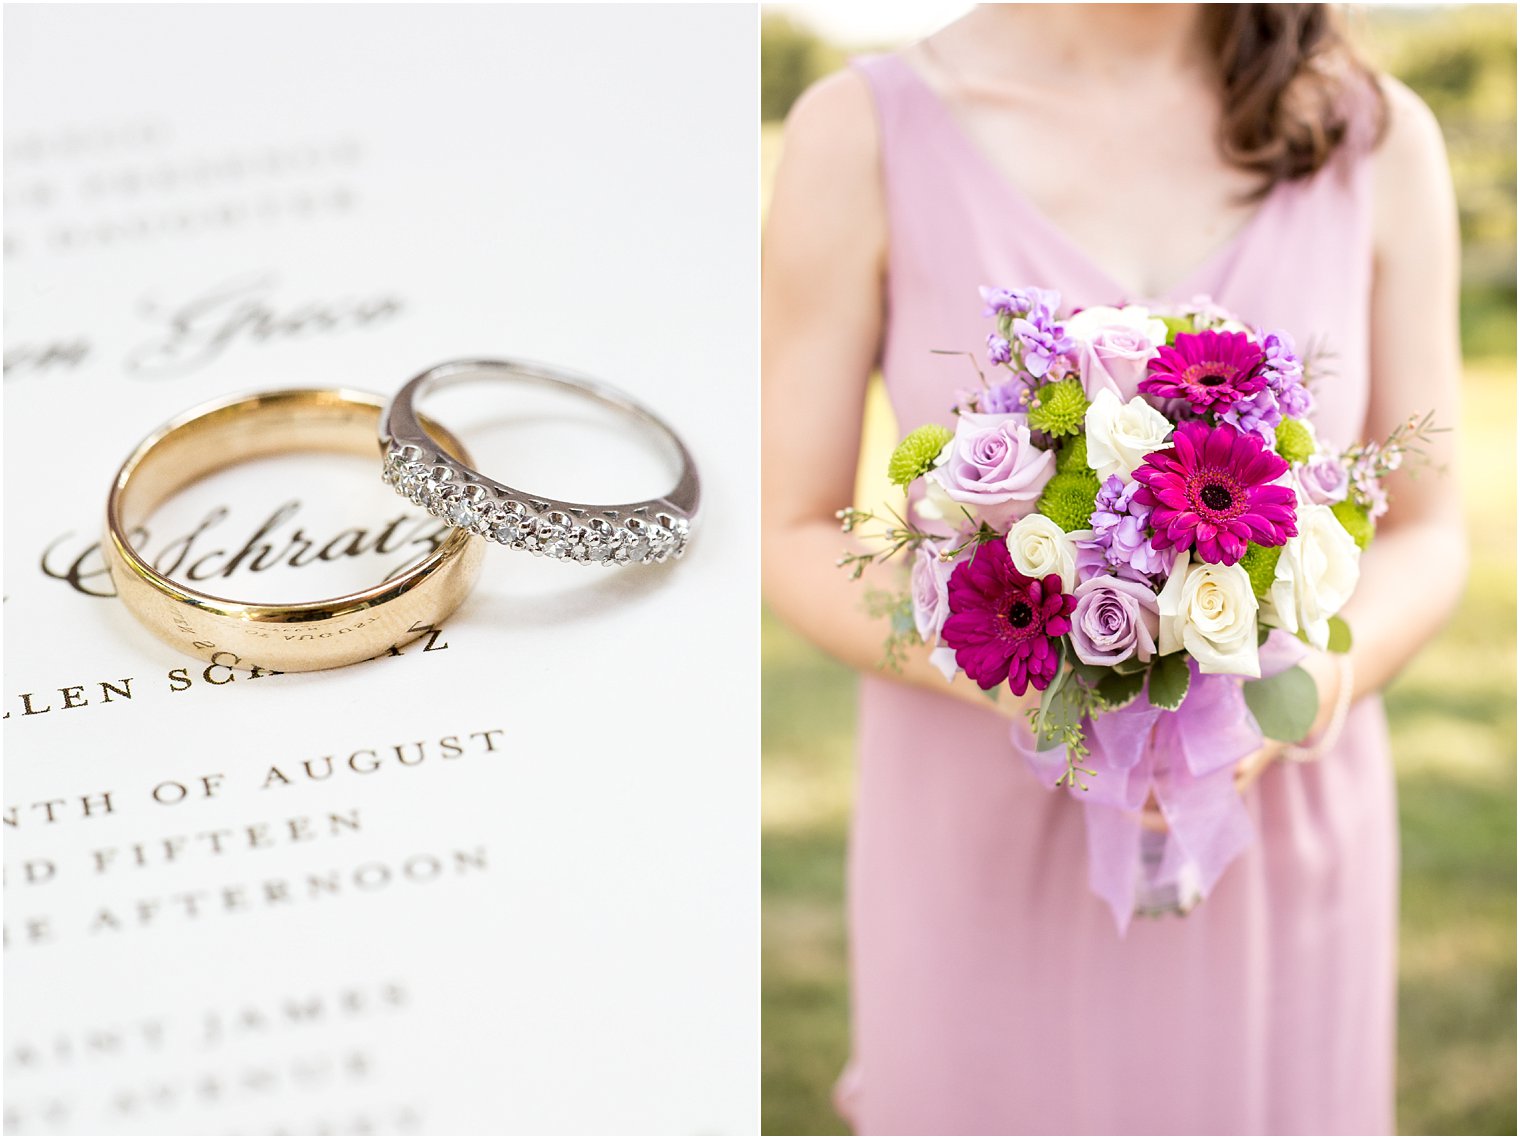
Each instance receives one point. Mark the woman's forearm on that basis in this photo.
(1412, 579)
(809, 591)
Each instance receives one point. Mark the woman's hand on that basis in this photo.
(1328, 677)
(1327, 680)
(1250, 769)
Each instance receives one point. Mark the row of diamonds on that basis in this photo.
(548, 533)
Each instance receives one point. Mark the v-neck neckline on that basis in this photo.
(1202, 278)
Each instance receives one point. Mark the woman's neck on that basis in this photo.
(1087, 42)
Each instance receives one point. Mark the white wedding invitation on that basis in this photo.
(503, 878)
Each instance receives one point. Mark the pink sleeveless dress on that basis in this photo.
(991, 992)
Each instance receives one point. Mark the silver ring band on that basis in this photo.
(655, 530)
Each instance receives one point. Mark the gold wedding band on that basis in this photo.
(295, 637)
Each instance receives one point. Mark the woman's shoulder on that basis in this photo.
(837, 105)
(1412, 188)
(832, 127)
(1411, 135)
(828, 186)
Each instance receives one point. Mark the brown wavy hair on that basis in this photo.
(1290, 80)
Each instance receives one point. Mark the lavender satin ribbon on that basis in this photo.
(1187, 759)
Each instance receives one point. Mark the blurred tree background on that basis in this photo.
(1452, 712)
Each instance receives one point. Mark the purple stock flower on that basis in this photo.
(1018, 302)
(1042, 341)
(1258, 414)
(1120, 530)
(999, 351)
(1007, 398)
(1284, 373)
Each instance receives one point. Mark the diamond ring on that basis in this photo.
(418, 468)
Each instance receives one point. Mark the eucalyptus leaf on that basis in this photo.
(1169, 681)
(1340, 635)
(1284, 705)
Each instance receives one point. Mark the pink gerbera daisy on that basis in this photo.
(1214, 490)
(1213, 371)
(1003, 625)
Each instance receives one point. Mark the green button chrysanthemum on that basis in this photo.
(1073, 454)
(1260, 564)
(1176, 324)
(1059, 408)
(1354, 519)
(1068, 499)
(1295, 443)
(915, 455)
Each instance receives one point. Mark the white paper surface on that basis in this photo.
(523, 897)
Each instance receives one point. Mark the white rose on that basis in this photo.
(1210, 610)
(1120, 435)
(1085, 324)
(937, 506)
(1038, 547)
(1316, 572)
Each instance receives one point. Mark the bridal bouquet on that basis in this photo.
(1138, 521)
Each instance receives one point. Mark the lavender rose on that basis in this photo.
(1322, 480)
(931, 597)
(931, 603)
(1114, 360)
(1115, 345)
(993, 468)
(1114, 620)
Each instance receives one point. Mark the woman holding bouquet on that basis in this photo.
(1117, 154)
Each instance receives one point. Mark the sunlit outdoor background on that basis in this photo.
(1452, 712)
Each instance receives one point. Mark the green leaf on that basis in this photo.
(1340, 635)
(1118, 689)
(1284, 705)
(1169, 681)
(1130, 665)
(1063, 674)
(1262, 633)
(1090, 674)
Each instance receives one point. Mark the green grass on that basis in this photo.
(1453, 719)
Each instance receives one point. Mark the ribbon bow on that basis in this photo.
(1187, 759)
